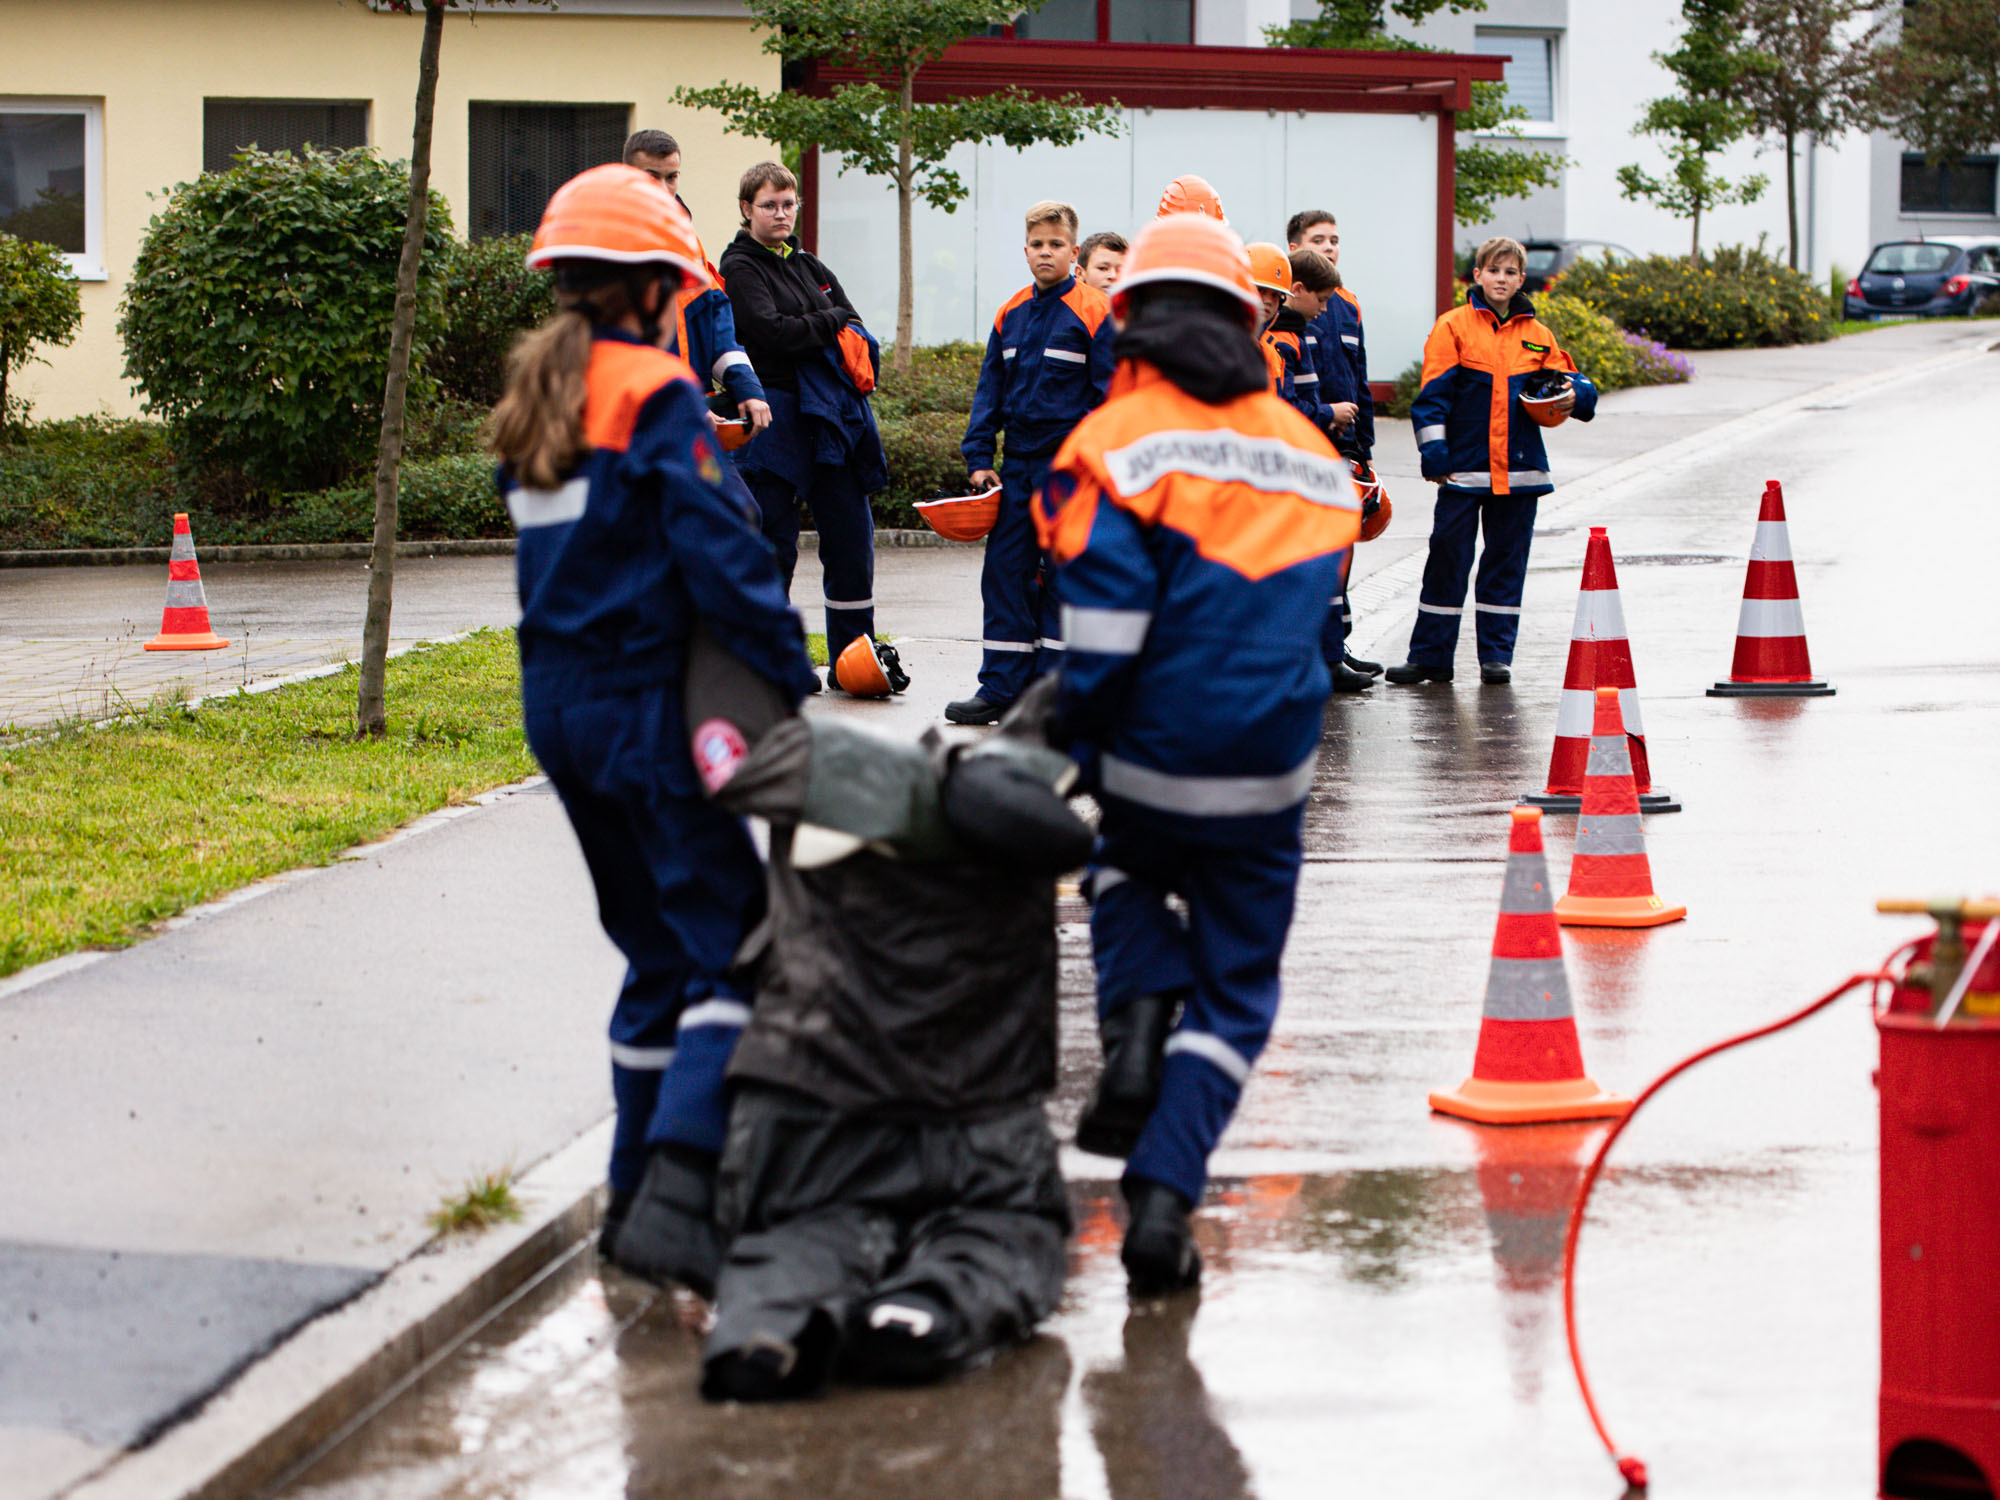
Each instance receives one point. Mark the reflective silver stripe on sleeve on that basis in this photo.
(1208, 796)
(1008, 645)
(1351, 338)
(728, 360)
(1479, 481)
(850, 604)
(532, 508)
(641, 1059)
(1496, 609)
(1046, 644)
(1438, 609)
(1611, 833)
(1110, 632)
(1211, 1049)
(714, 1013)
(1609, 756)
(1305, 380)
(1430, 434)
(1069, 355)
(1009, 353)
(1527, 989)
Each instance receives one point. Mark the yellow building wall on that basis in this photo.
(150, 64)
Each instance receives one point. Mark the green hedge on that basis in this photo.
(922, 416)
(1738, 297)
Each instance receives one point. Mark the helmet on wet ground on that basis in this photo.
(618, 214)
(1191, 250)
(868, 668)
(1539, 394)
(1270, 268)
(1190, 195)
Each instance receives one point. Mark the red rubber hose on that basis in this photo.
(1630, 1466)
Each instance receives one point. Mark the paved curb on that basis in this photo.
(338, 1371)
(109, 557)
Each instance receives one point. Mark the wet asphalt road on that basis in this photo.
(1381, 1312)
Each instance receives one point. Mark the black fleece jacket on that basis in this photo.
(786, 306)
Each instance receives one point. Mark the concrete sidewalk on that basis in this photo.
(210, 1139)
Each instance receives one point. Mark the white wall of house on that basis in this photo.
(1377, 172)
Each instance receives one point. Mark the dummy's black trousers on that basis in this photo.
(827, 1212)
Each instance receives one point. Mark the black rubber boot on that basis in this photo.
(668, 1232)
(769, 1368)
(1356, 664)
(974, 711)
(1416, 671)
(1495, 673)
(1347, 680)
(1160, 1255)
(1135, 1040)
(905, 1338)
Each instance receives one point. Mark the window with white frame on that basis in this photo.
(1531, 69)
(51, 170)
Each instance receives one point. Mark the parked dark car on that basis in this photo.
(1548, 259)
(1931, 278)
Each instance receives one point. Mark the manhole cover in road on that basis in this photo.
(1672, 559)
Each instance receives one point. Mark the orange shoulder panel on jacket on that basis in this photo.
(621, 379)
(1010, 304)
(1352, 300)
(1089, 304)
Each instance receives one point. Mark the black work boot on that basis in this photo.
(1135, 1040)
(905, 1338)
(1495, 673)
(668, 1232)
(974, 710)
(1160, 1256)
(1356, 664)
(1416, 671)
(1347, 680)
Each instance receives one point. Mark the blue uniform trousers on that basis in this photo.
(679, 885)
(839, 509)
(1509, 525)
(1017, 591)
(1222, 957)
(1339, 617)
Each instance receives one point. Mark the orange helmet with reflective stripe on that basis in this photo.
(1190, 195)
(869, 668)
(1194, 250)
(1270, 268)
(961, 518)
(619, 214)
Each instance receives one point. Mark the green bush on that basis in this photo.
(38, 305)
(257, 317)
(491, 298)
(1595, 342)
(1739, 297)
(87, 482)
(922, 416)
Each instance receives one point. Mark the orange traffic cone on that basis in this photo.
(1771, 657)
(1610, 878)
(1529, 1066)
(1600, 655)
(184, 623)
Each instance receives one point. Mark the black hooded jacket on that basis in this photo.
(787, 307)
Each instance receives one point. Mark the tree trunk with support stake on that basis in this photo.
(905, 254)
(1792, 193)
(371, 715)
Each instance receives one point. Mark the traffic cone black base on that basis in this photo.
(1658, 800)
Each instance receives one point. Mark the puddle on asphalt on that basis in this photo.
(1378, 1332)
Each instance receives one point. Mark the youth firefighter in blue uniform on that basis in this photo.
(1485, 454)
(1048, 362)
(1197, 523)
(629, 541)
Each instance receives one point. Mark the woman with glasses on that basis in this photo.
(822, 446)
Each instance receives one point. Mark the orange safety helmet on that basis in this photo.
(618, 213)
(963, 518)
(1539, 394)
(868, 668)
(1191, 195)
(733, 429)
(1192, 249)
(1375, 507)
(1270, 268)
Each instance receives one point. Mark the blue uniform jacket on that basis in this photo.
(1471, 431)
(712, 350)
(1339, 352)
(827, 421)
(1198, 546)
(617, 563)
(1048, 363)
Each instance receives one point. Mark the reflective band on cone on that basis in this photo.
(184, 622)
(1771, 658)
(1610, 878)
(1529, 1065)
(1600, 655)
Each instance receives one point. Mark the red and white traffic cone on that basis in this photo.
(1771, 659)
(1610, 878)
(184, 623)
(1600, 655)
(1529, 1066)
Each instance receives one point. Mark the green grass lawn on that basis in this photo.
(106, 832)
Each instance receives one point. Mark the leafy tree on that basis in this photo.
(1706, 116)
(1814, 85)
(38, 305)
(1487, 174)
(884, 132)
(255, 316)
(1937, 80)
